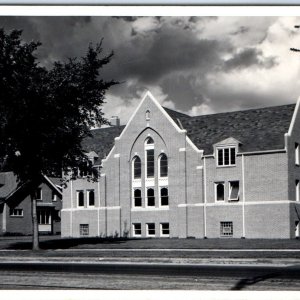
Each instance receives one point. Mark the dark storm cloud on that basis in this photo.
(247, 58)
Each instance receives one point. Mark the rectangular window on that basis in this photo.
(80, 198)
(219, 191)
(164, 229)
(150, 197)
(137, 229)
(44, 217)
(150, 229)
(54, 197)
(164, 197)
(226, 229)
(16, 212)
(84, 229)
(297, 153)
(137, 201)
(226, 156)
(38, 194)
(150, 162)
(234, 190)
(297, 190)
(91, 198)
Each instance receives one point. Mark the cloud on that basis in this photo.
(192, 64)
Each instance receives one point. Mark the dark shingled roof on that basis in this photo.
(102, 140)
(257, 129)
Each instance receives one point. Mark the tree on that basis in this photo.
(45, 113)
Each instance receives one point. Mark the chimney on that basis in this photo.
(115, 121)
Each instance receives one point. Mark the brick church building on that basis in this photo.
(166, 174)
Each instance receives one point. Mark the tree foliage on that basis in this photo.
(45, 114)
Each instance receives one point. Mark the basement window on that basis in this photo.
(84, 229)
(164, 229)
(226, 229)
(137, 229)
(150, 229)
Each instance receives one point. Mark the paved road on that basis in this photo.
(52, 275)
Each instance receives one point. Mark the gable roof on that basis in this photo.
(9, 185)
(256, 129)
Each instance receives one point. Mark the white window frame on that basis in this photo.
(297, 154)
(221, 227)
(160, 200)
(216, 193)
(146, 198)
(134, 230)
(161, 229)
(230, 189)
(54, 196)
(132, 167)
(223, 155)
(41, 190)
(15, 214)
(47, 214)
(147, 230)
(297, 187)
(158, 167)
(88, 197)
(148, 147)
(133, 198)
(77, 199)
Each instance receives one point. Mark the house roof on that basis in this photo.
(257, 129)
(9, 185)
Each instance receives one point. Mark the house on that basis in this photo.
(166, 174)
(15, 206)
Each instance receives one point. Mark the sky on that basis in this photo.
(195, 65)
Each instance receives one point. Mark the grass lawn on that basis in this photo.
(55, 242)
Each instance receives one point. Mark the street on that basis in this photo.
(61, 275)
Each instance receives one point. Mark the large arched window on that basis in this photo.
(164, 197)
(163, 166)
(149, 149)
(137, 198)
(137, 168)
(150, 197)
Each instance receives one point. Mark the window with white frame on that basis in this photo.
(84, 229)
(150, 227)
(16, 212)
(148, 115)
(226, 156)
(137, 229)
(80, 198)
(164, 196)
(297, 190)
(38, 194)
(91, 197)
(164, 229)
(226, 229)
(54, 196)
(219, 191)
(163, 165)
(137, 168)
(137, 195)
(297, 154)
(149, 149)
(150, 197)
(234, 190)
(44, 217)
